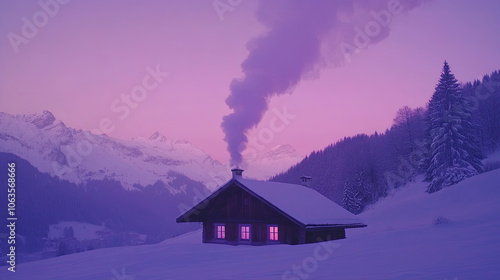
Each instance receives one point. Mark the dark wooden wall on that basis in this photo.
(234, 206)
(320, 235)
(238, 205)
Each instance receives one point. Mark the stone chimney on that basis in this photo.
(237, 173)
(305, 181)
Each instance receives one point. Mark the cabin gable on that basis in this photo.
(236, 209)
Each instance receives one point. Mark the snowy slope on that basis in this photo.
(401, 241)
(77, 155)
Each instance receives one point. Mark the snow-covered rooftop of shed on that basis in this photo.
(302, 203)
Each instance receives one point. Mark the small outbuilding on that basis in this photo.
(245, 211)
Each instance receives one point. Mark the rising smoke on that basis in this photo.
(302, 36)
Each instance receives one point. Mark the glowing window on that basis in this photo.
(245, 232)
(221, 231)
(273, 233)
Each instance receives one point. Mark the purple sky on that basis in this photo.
(89, 54)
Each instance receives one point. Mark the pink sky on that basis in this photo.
(88, 54)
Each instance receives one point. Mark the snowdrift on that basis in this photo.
(451, 234)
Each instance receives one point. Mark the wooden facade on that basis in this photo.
(234, 215)
(234, 208)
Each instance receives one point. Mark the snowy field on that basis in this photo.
(81, 231)
(453, 234)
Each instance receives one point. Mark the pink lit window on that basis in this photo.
(221, 231)
(245, 232)
(273, 233)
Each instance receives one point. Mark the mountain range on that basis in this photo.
(78, 156)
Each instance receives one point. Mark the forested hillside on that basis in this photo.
(356, 171)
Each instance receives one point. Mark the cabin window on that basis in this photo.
(245, 232)
(220, 231)
(273, 233)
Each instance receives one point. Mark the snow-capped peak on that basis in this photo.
(281, 151)
(181, 141)
(272, 162)
(157, 136)
(42, 120)
(79, 156)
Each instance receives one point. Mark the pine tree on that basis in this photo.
(351, 198)
(454, 153)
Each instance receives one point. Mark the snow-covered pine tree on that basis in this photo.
(454, 151)
(351, 199)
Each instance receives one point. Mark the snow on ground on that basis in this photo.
(402, 241)
(81, 231)
(492, 160)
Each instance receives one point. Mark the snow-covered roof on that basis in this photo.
(301, 203)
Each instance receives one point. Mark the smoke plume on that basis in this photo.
(302, 37)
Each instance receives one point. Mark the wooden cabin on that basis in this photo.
(245, 211)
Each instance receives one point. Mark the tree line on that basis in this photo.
(445, 140)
